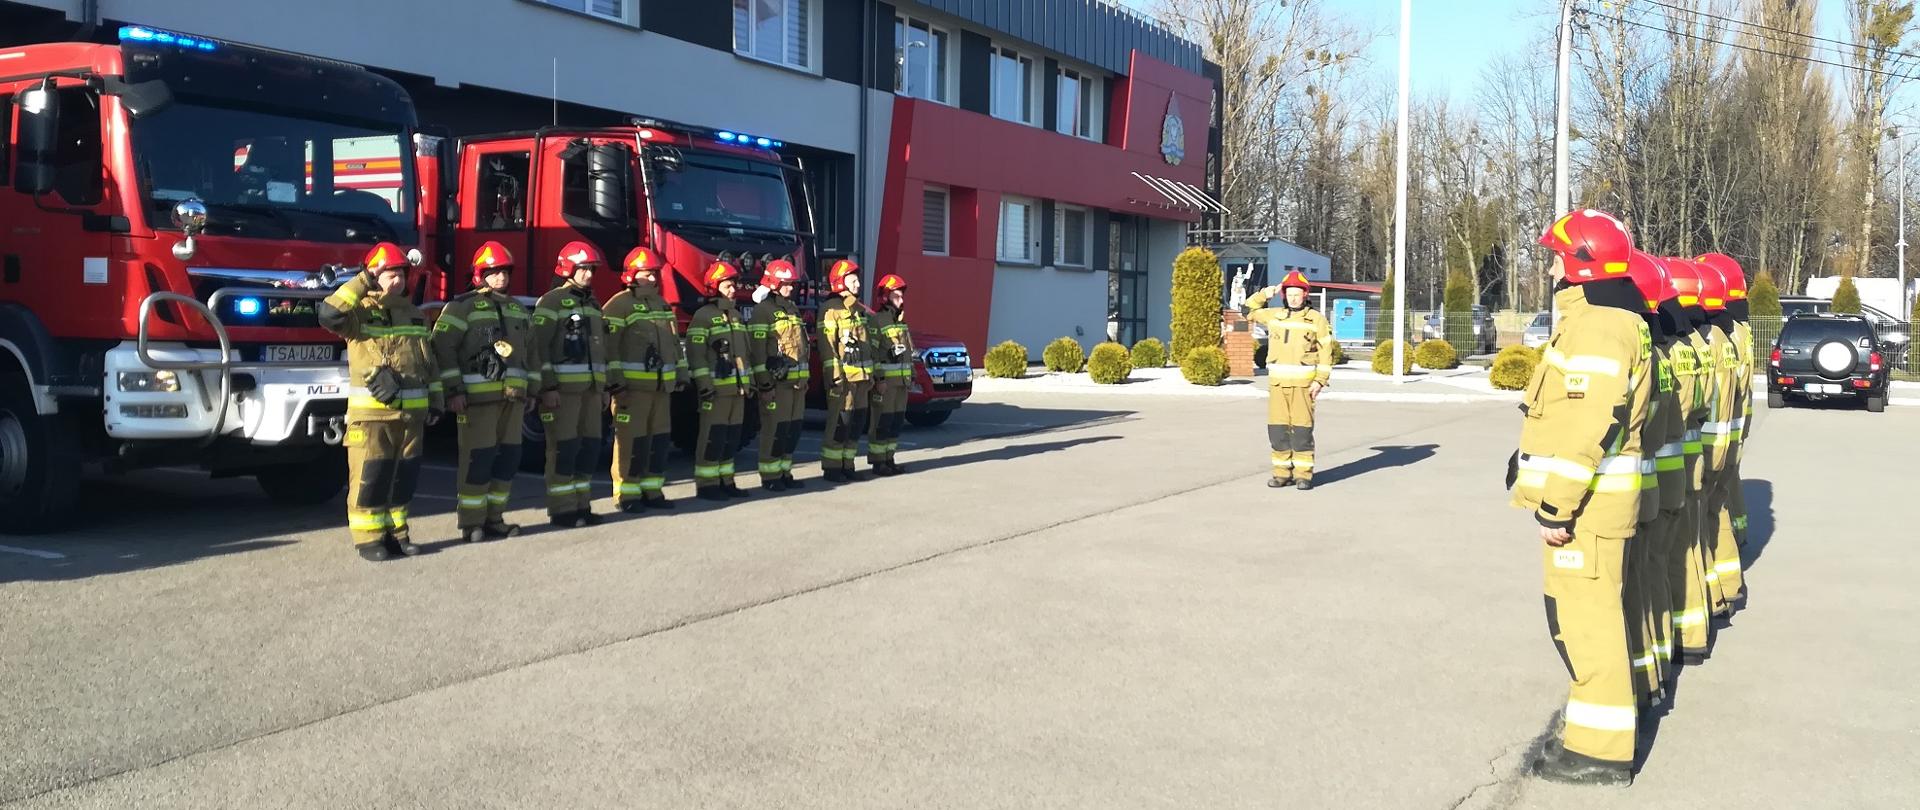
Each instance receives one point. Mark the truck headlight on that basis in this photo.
(149, 382)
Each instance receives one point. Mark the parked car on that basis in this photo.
(1827, 356)
(1485, 335)
(1538, 331)
(1893, 333)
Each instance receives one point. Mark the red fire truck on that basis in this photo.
(174, 208)
(692, 194)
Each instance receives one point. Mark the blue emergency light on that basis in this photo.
(136, 33)
(246, 307)
(747, 140)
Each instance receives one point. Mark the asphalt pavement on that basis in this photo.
(1073, 601)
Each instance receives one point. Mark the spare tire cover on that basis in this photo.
(1835, 358)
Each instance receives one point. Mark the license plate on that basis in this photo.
(1823, 388)
(307, 353)
(959, 376)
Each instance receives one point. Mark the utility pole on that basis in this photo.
(1400, 198)
(1562, 190)
(1905, 310)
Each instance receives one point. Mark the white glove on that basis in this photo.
(760, 295)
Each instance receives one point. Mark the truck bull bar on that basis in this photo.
(226, 366)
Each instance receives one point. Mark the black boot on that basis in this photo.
(633, 507)
(374, 552)
(1693, 658)
(855, 475)
(565, 520)
(1557, 764)
(586, 517)
(658, 500)
(1279, 483)
(882, 469)
(834, 474)
(403, 545)
(733, 490)
(898, 468)
(791, 482)
(1302, 484)
(496, 531)
(474, 534)
(773, 484)
(711, 492)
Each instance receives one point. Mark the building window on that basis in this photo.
(1081, 103)
(620, 11)
(1013, 78)
(502, 192)
(921, 59)
(1017, 222)
(933, 220)
(1072, 236)
(777, 31)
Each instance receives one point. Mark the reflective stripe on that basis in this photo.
(1643, 663)
(1712, 576)
(1727, 566)
(367, 522)
(398, 517)
(1690, 618)
(344, 298)
(1669, 464)
(1740, 423)
(1302, 464)
(449, 322)
(1549, 465)
(1599, 717)
(473, 501)
(1670, 450)
(1713, 428)
(631, 488)
(1582, 363)
(497, 498)
(409, 399)
(653, 484)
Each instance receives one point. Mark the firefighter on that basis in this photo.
(1693, 371)
(1677, 364)
(645, 366)
(1578, 472)
(394, 393)
(1730, 520)
(717, 351)
(569, 334)
(1721, 437)
(1659, 446)
(483, 342)
(777, 347)
(846, 358)
(1299, 367)
(893, 341)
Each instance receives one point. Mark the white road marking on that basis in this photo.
(34, 552)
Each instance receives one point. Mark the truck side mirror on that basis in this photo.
(39, 130)
(609, 181)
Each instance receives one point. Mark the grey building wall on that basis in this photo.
(1035, 305)
(1281, 255)
(1164, 241)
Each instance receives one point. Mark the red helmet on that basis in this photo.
(778, 272)
(1730, 273)
(492, 257)
(1295, 278)
(639, 260)
(577, 255)
(837, 277)
(1686, 281)
(1650, 276)
(1593, 245)
(716, 273)
(890, 282)
(1713, 288)
(386, 256)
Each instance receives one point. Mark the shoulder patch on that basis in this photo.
(482, 304)
(1577, 385)
(567, 302)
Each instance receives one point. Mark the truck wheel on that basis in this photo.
(1776, 400)
(927, 419)
(39, 464)
(309, 484)
(1876, 404)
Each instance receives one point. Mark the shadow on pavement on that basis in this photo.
(158, 518)
(1385, 457)
(1759, 497)
(1009, 453)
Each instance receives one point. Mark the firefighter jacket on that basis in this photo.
(1746, 368)
(777, 343)
(643, 348)
(570, 337)
(1723, 358)
(1297, 343)
(893, 342)
(1705, 395)
(483, 343)
(1586, 410)
(1670, 460)
(846, 345)
(1654, 450)
(717, 348)
(390, 363)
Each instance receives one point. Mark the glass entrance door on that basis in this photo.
(1126, 282)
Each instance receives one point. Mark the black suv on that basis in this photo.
(1827, 356)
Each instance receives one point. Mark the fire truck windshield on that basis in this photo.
(716, 190)
(273, 175)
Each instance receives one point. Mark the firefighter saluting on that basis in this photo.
(644, 366)
(777, 348)
(717, 351)
(570, 336)
(846, 358)
(483, 341)
(394, 391)
(895, 343)
(1578, 472)
(1299, 367)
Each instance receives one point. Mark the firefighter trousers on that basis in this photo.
(720, 422)
(781, 411)
(1692, 568)
(847, 417)
(1655, 574)
(889, 418)
(1290, 431)
(642, 435)
(489, 459)
(1721, 538)
(1586, 616)
(383, 467)
(1637, 609)
(573, 450)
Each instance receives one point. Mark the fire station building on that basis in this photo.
(1030, 166)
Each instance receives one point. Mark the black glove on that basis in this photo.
(1513, 469)
(384, 385)
(704, 390)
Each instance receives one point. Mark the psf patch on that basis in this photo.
(1574, 559)
(1577, 385)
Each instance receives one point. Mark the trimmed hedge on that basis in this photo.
(1007, 361)
(1064, 354)
(1513, 368)
(1197, 284)
(1339, 353)
(1110, 364)
(1436, 354)
(1763, 301)
(1149, 353)
(1383, 359)
(1206, 365)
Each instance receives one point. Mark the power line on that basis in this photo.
(1841, 49)
(1841, 65)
